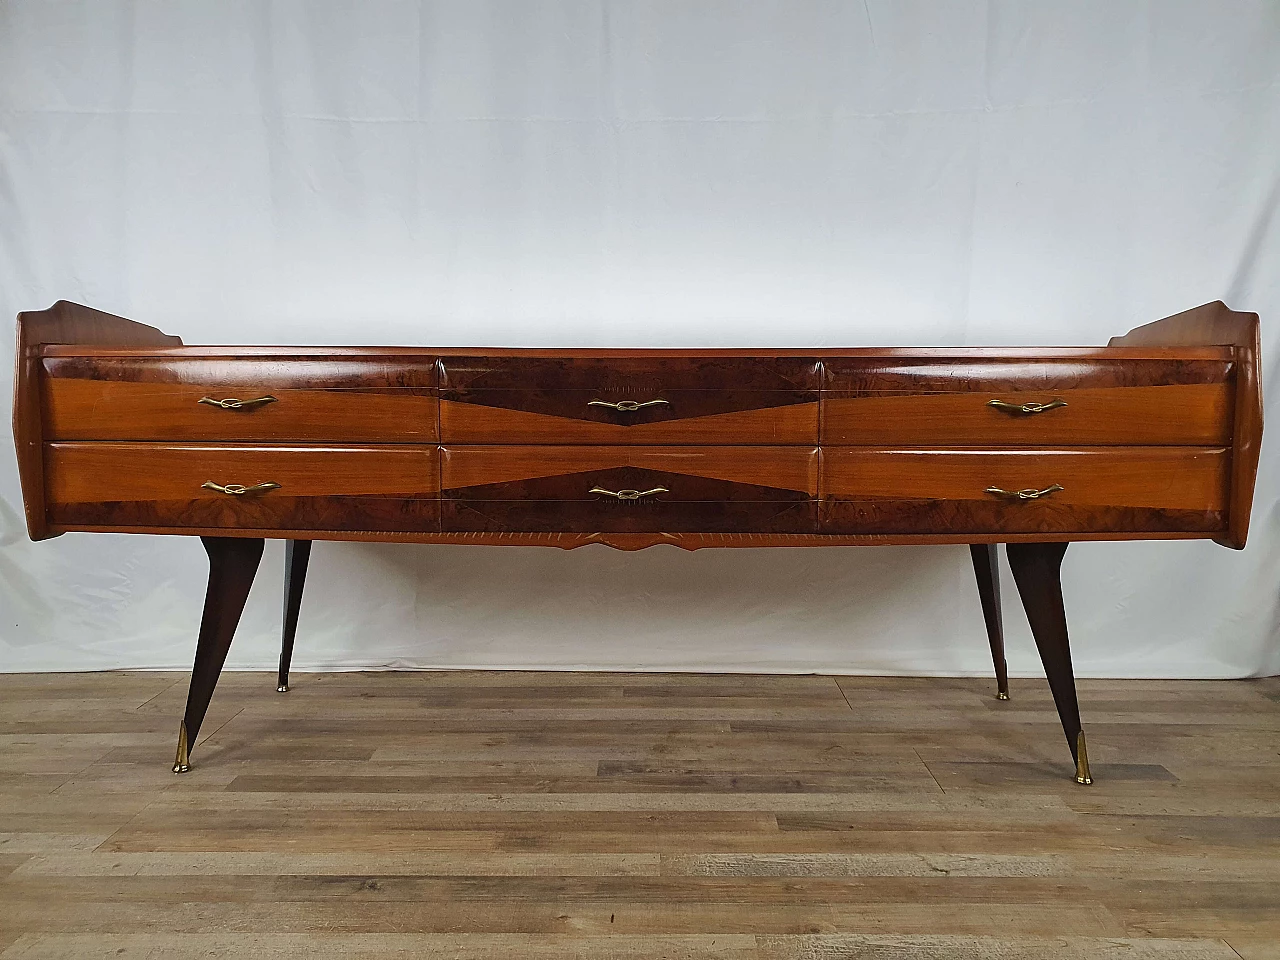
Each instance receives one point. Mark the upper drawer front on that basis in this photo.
(714, 400)
(340, 400)
(1040, 403)
(293, 488)
(1112, 489)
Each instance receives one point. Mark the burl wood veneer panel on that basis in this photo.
(730, 400)
(321, 488)
(1119, 489)
(709, 489)
(337, 400)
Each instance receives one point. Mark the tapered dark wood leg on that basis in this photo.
(296, 555)
(1037, 570)
(986, 566)
(233, 561)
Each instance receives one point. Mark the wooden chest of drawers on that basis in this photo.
(122, 428)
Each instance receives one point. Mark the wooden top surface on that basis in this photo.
(941, 353)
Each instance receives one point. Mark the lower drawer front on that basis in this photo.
(1115, 489)
(629, 489)
(287, 488)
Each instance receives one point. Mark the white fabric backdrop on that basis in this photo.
(675, 173)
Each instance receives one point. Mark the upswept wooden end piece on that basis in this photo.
(1216, 324)
(64, 322)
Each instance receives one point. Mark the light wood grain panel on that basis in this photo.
(1158, 477)
(100, 472)
(1188, 414)
(79, 409)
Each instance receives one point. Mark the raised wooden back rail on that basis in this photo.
(121, 428)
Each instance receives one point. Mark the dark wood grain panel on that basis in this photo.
(362, 517)
(858, 376)
(284, 369)
(613, 516)
(689, 417)
(705, 490)
(957, 520)
(781, 468)
(710, 399)
(629, 374)
(1190, 414)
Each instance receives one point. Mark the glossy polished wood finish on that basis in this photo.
(1217, 323)
(1197, 414)
(789, 423)
(64, 322)
(1153, 436)
(83, 409)
(1169, 478)
(694, 489)
(629, 400)
(319, 487)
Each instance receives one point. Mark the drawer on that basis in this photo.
(1116, 489)
(629, 489)
(1045, 403)
(363, 399)
(606, 401)
(319, 488)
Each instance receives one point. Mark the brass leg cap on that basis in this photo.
(1082, 761)
(1002, 695)
(182, 762)
(283, 688)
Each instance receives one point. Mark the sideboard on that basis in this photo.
(121, 428)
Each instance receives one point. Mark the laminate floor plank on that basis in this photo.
(475, 814)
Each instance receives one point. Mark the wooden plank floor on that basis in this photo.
(509, 815)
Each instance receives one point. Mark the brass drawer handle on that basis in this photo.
(1031, 493)
(239, 490)
(1026, 408)
(628, 494)
(231, 403)
(625, 406)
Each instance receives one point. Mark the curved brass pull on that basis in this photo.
(231, 403)
(1031, 493)
(625, 406)
(239, 490)
(628, 494)
(1026, 408)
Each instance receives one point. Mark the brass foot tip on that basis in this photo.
(1002, 695)
(1082, 761)
(283, 688)
(182, 762)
